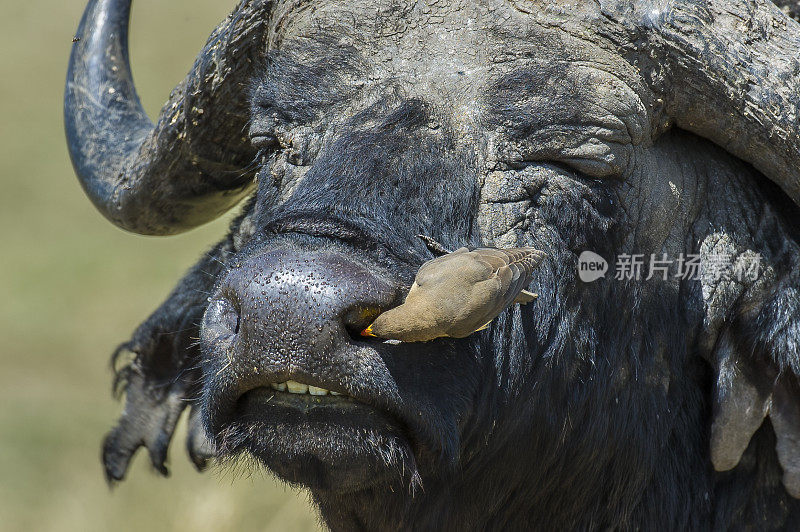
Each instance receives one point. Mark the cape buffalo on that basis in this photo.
(649, 147)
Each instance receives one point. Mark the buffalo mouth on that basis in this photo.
(314, 432)
(333, 443)
(372, 414)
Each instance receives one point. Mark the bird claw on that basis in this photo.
(434, 247)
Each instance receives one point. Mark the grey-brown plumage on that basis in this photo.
(459, 293)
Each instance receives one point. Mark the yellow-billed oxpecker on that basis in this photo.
(459, 293)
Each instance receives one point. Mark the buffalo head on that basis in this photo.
(657, 130)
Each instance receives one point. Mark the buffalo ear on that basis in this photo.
(742, 397)
(159, 383)
(785, 416)
(163, 377)
(757, 357)
(149, 419)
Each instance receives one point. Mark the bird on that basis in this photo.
(459, 293)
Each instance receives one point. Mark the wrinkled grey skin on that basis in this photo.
(687, 110)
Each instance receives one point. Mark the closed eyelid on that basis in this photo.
(571, 113)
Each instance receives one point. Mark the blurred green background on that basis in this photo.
(72, 287)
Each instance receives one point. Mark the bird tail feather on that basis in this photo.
(525, 297)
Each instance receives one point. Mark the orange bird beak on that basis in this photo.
(368, 332)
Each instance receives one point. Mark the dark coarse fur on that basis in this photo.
(589, 409)
(573, 425)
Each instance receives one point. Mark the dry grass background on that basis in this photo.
(72, 287)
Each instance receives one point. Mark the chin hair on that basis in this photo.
(254, 445)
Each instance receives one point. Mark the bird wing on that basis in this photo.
(512, 267)
(506, 272)
(433, 271)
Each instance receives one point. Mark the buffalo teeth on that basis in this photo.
(296, 387)
(300, 388)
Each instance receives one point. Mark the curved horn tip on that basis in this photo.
(144, 178)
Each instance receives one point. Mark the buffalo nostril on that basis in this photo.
(229, 317)
(358, 318)
(222, 318)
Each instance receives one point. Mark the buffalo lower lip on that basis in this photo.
(334, 443)
(303, 402)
